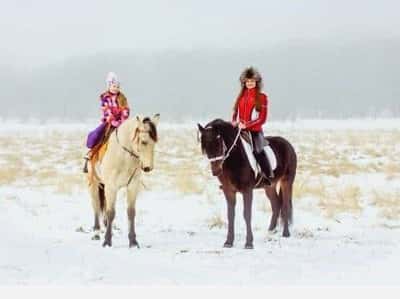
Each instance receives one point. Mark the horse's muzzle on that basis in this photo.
(217, 173)
(216, 169)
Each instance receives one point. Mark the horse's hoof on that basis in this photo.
(248, 246)
(272, 231)
(107, 243)
(96, 237)
(134, 244)
(286, 234)
(228, 245)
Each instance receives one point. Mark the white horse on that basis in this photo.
(130, 151)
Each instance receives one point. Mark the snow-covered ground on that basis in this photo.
(346, 227)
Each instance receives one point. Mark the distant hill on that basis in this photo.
(303, 79)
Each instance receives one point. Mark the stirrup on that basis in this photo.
(266, 179)
(85, 167)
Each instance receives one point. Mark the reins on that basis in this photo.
(233, 144)
(124, 147)
(131, 153)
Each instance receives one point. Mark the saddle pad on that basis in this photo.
(102, 151)
(98, 157)
(252, 160)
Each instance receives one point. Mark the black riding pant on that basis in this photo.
(258, 141)
(258, 148)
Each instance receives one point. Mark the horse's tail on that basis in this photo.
(290, 205)
(287, 163)
(102, 197)
(290, 210)
(280, 197)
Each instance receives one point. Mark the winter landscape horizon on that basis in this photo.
(330, 70)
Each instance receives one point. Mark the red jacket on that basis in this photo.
(247, 113)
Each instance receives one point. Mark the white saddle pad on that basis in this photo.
(252, 160)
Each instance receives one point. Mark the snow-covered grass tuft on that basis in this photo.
(216, 221)
(344, 199)
(388, 203)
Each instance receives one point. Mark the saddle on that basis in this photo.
(247, 143)
(97, 153)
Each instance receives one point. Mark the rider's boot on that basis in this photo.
(85, 166)
(265, 166)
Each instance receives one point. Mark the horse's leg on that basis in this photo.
(94, 194)
(131, 210)
(111, 196)
(286, 189)
(248, 203)
(275, 206)
(230, 197)
(102, 198)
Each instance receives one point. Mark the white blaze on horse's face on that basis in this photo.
(146, 140)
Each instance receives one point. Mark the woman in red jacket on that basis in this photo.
(250, 113)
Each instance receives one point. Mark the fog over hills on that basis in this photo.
(303, 79)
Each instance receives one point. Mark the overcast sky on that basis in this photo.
(37, 32)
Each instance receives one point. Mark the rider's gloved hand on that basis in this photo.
(242, 126)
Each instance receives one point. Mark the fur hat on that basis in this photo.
(112, 79)
(251, 73)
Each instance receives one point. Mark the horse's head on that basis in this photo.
(213, 145)
(145, 139)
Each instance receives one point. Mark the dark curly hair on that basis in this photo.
(250, 73)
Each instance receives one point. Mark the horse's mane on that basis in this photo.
(223, 127)
(153, 129)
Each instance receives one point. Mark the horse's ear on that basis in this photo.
(155, 119)
(201, 129)
(199, 132)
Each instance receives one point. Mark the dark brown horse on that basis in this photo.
(220, 142)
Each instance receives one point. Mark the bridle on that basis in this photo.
(130, 152)
(225, 153)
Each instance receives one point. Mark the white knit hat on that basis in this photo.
(112, 78)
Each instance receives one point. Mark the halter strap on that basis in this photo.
(225, 155)
(133, 154)
(221, 157)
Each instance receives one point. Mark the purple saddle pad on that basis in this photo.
(95, 136)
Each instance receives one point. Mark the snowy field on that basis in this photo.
(346, 227)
